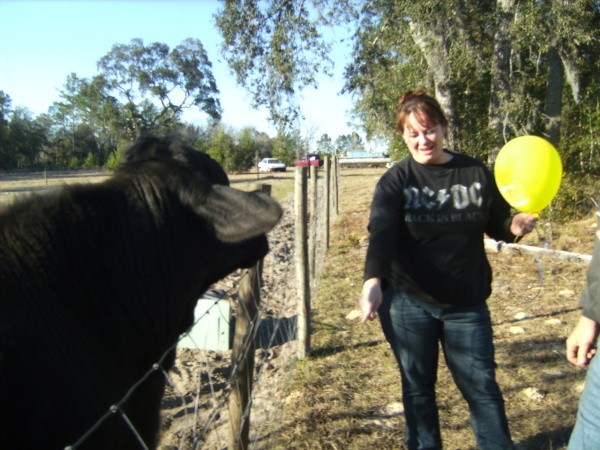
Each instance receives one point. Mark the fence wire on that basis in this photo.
(195, 412)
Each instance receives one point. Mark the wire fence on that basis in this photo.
(209, 397)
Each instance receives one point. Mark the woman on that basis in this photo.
(426, 252)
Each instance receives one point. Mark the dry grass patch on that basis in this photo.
(347, 394)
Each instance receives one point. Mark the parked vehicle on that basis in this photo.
(309, 160)
(271, 165)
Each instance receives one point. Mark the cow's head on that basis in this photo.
(210, 229)
(202, 184)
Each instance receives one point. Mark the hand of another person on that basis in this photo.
(370, 299)
(581, 344)
(522, 224)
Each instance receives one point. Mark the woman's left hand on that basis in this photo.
(522, 224)
(370, 299)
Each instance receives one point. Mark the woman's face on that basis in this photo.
(425, 142)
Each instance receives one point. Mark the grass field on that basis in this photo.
(347, 395)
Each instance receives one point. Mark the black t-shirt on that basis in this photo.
(426, 230)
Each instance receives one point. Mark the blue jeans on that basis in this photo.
(586, 434)
(413, 331)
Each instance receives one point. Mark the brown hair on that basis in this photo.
(426, 109)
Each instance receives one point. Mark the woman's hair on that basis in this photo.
(426, 109)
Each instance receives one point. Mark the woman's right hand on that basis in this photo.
(370, 299)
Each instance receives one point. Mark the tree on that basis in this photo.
(567, 34)
(325, 145)
(154, 84)
(349, 143)
(284, 147)
(26, 139)
(67, 114)
(193, 135)
(245, 150)
(355, 142)
(498, 67)
(252, 147)
(520, 89)
(71, 147)
(276, 49)
(263, 142)
(221, 147)
(84, 101)
(140, 89)
(403, 45)
(5, 110)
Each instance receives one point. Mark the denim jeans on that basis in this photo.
(586, 434)
(413, 331)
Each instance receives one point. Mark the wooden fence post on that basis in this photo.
(335, 187)
(256, 161)
(301, 262)
(242, 355)
(326, 197)
(312, 240)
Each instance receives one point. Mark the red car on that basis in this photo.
(309, 160)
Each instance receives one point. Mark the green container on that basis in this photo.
(212, 325)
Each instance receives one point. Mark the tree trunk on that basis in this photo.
(572, 73)
(431, 40)
(554, 92)
(500, 77)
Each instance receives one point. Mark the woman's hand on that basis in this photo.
(370, 299)
(522, 224)
(581, 344)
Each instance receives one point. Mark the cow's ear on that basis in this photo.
(237, 215)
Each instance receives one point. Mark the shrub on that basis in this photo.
(116, 157)
(576, 199)
(89, 162)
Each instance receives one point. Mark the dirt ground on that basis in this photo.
(195, 407)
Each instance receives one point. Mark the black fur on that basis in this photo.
(97, 281)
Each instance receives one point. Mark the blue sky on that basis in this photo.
(42, 42)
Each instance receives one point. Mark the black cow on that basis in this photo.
(97, 281)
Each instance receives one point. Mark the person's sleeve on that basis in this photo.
(590, 299)
(384, 225)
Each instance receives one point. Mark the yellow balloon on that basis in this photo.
(528, 172)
